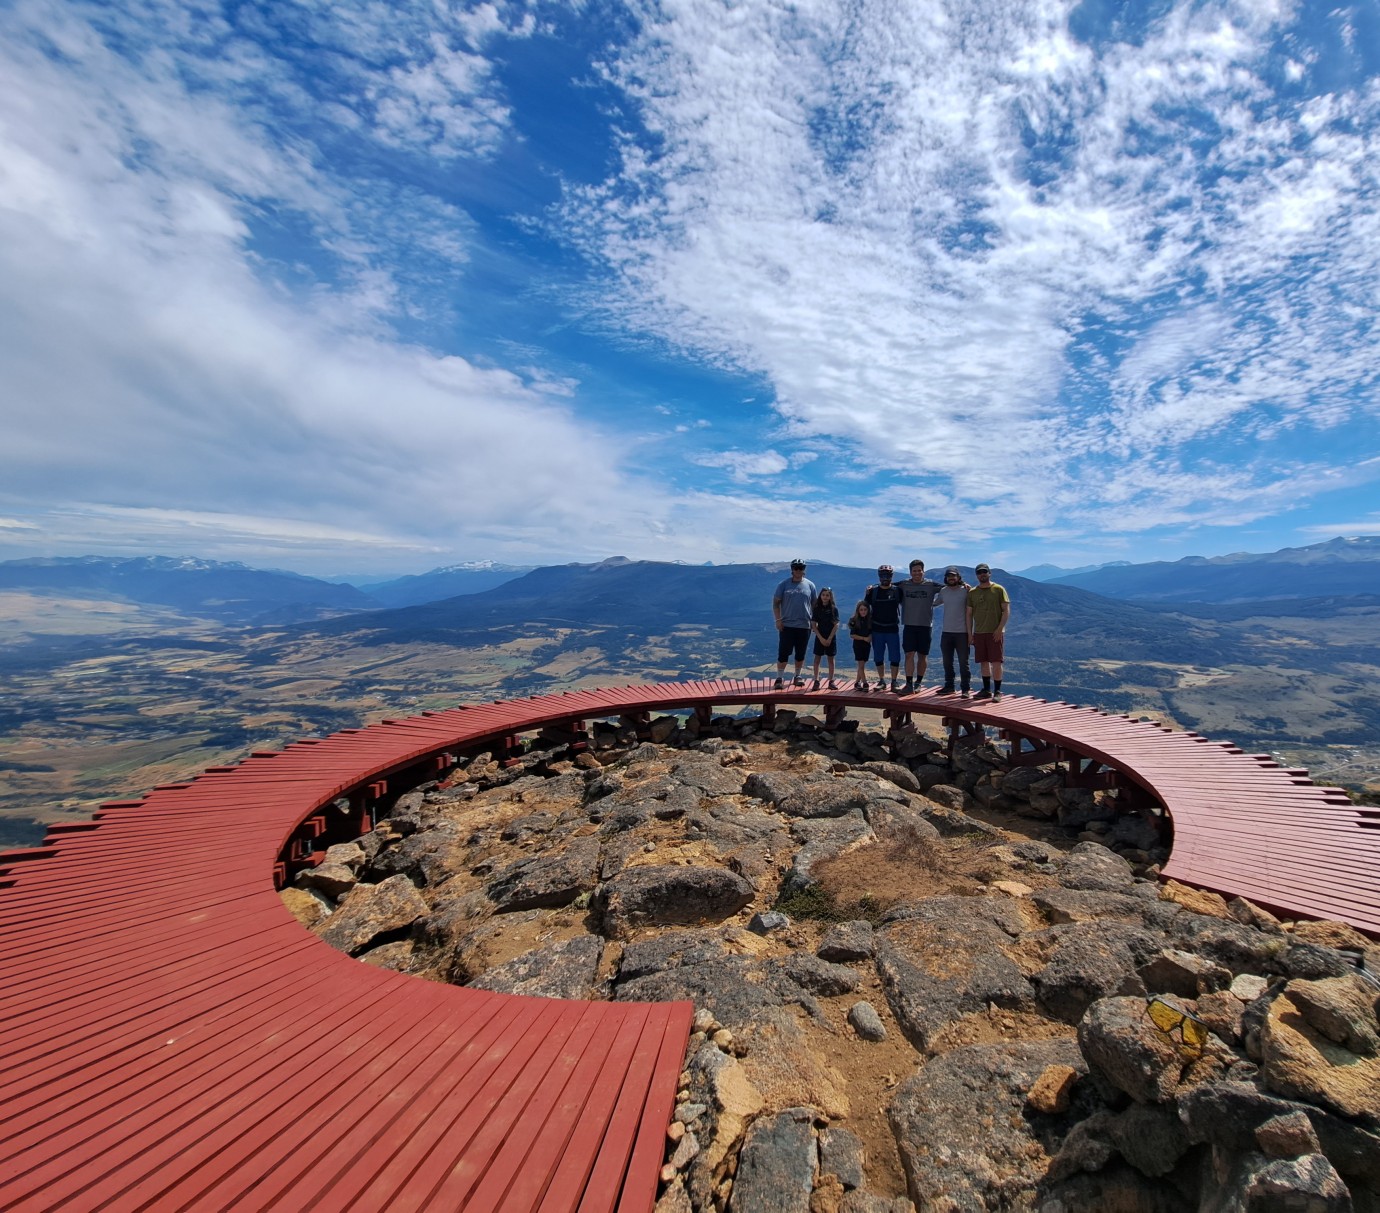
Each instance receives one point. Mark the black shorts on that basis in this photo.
(862, 648)
(795, 640)
(826, 650)
(915, 638)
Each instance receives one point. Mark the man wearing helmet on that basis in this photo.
(885, 599)
(793, 604)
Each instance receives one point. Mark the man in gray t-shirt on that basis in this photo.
(793, 604)
(917, 623)
(953, 639)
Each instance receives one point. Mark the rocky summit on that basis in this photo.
(951, 986)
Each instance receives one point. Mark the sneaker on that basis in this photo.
(983, 695)
(945, 690)
(833, 686)
(859, 684)
(964, 694)
(910, 687)
(895, 686)
(996, 696)
(778, 684)
(799, 682)
(814, 686)
(879, 685)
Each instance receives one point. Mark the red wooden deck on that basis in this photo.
(173, 1039)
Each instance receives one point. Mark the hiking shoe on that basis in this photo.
(833, 686)
(814, 686)
(879, 685)
(910, 687)
(945, 690)
(799, 682)
(964, 694)
(996, 696)
(778, 684)
(859, 684)
(983, 694)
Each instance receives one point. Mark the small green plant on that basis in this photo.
(812, 901)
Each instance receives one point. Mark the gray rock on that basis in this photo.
(766, 922)
(773, 787)
(776, 1168)
(893, 772)
(1182, 973)
(819, 976)
(566, 969)
(668, 895)
(841, 1154)
(847, 941)
(671, 950)
(370, 912)
(351, 854)
(823, 840)
(1060, 905)
(1313, 962)
(1257, 1184)
(332, 879)
(946, 796)
(829, 798)
(1230, 1114)
(1150, 1137)
(962, 1130)
(864, 1020)
(1092, 866)
(1089, 961)
(709, 775)
(974, 972)
(1229, 944)
(546, 881)
(426, 856)
(1125, 1049)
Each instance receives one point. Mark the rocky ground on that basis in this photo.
(915, 983)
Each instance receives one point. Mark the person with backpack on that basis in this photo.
(884, 601)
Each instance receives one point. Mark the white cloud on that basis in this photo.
(923, 229)
(745, 465)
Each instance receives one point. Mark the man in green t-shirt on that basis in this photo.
(989, 609)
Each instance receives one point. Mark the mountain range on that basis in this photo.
(1345, 567)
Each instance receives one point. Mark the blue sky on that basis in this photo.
(381, 286)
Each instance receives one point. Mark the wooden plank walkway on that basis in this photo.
(173, 1039)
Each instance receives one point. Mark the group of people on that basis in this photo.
(896, 618)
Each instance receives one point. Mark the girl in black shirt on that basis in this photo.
(825, 625)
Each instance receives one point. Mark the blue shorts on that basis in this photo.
(917, 637)
(884, 643)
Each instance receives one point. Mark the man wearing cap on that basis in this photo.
(953, 636)
(884, 600)
(793, 604)
(989, 610)
(917, 623)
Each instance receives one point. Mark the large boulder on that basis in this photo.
(966, 1138)
(371, 911)
(1298, 1059)
(1089, 961)
(935, 972)
(1126, 1050)
(547, 881)
(657, 895)
(567, 968)
(821, 841)
(778, 1163)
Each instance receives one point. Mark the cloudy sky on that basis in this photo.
(350, 286)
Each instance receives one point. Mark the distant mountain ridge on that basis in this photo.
(1243, 577)
(469, 577)
(228, 591)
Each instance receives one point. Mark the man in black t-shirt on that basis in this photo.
(885, 600)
